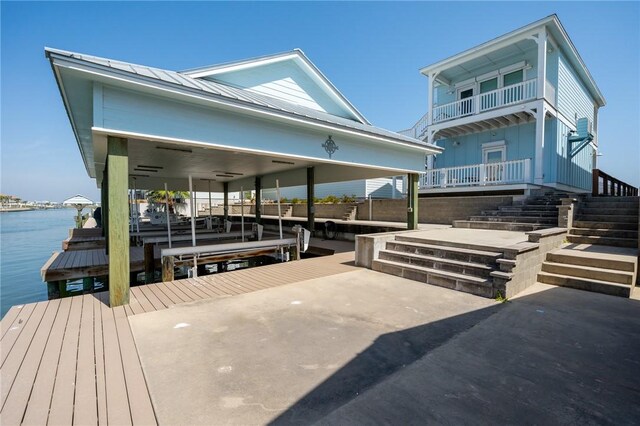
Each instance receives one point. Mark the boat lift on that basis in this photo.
(284, 248)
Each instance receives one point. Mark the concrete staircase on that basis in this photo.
(537, 212)
(610, 221)
(457, 266)
(351, 214)
(602, 269)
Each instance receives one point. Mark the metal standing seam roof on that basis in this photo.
(237, 94)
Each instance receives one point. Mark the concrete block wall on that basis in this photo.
(441, 210)
(325, 211)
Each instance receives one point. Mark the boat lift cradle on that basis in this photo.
(172, 257)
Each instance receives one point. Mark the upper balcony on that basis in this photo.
(489, 100)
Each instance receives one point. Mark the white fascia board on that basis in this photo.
(101, 131)
(124, 77)
(67, 107)
(488, 46)
(220, 69)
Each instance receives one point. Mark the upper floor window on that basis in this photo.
(513, 78)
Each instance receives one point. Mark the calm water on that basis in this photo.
(27, 240)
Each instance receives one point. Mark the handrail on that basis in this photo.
(606, 185)
(501, 97)
(417, 130)
(502, 173)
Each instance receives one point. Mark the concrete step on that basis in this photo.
(613, 233)
(621, 205)
(453, 253)
(524, 213)
(465, 283)
(595, 261)
(604, 225)
(518, 219)
(609, 218)
(603, 241)
(549, 208)
(491, 250)
(500, 226)
(585, 284)
(615, 211)
(600, 274)
(479, 270)
(591, 199)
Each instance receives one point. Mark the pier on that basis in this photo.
(74, 360)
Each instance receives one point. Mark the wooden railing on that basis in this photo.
(498, 98)
(607, 185)
(506, 172)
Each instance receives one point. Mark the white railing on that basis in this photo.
(506, 172)
(418, 129)
(504, 96)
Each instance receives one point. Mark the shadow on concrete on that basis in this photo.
(389, 353)
(551, 357)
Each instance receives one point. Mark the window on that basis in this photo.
(465, 107)
(489, 85)
(491, 100)
(513, 78)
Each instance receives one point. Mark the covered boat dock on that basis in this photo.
(261, 123)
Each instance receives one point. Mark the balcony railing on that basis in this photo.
(498, 98)
(503, 173)
(418, 129)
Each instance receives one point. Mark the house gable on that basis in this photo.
(288, 77)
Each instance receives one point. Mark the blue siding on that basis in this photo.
(519, 140)
(576, 171)
(573, 99)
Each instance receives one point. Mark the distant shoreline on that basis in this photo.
(24, 209)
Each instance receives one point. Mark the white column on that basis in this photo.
(192, 209)
(432, 77)
(166, 207)
(538, 176)
(542, 62)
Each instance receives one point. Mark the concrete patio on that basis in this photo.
(369, 348)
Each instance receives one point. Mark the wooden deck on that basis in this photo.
(74, 264)
(74, 360)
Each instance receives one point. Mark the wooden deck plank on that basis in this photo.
(118, 411)
(37, 409)
(173, 297)
(61, 412)
(157, 291)
(187, 289)
(189, 283)
(98, 342)
(236, 279)
(142, 299)
(204, 286)
(139, 400)
(178, 291)
(234, 284)
(14, 358)
(9, 318)
(13, 333)
(22, 383)
(85, 409)
(152, 298)
(134, 305)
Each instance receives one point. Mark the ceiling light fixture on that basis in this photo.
(150, 167)
(224, 175)
(145, 170)
(174, 149)
(282, 162)
(228, 173)
(136, 175)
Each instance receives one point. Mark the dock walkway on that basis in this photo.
(74, 360)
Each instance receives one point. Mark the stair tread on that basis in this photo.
(447, 248)
(440, 272)
(589, 268)
(550, 274)
(440, 259)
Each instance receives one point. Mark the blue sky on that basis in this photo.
(370, 51)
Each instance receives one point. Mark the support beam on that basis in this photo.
(412, 201)
(118, 222)
(311, 209)
(542, 62)
(258, 188)
(226, 200)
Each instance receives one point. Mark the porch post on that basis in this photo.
(118, 220)
(258, 188)
(412, 201)
(542, 63)
(432, 77)
(105, 206)
(226, 200)
(539, 167)
(311, 209)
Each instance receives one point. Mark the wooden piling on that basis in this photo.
(149, 263)
(167, 269)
